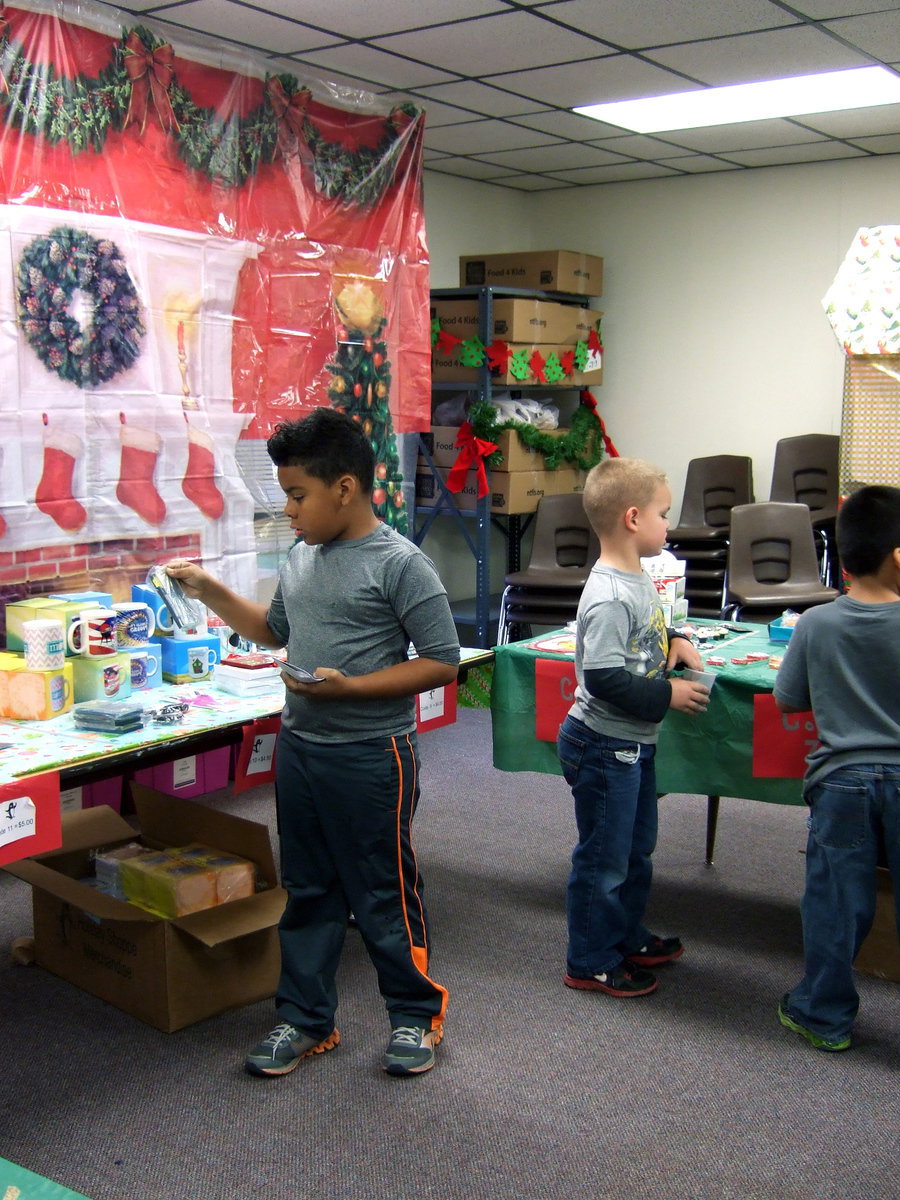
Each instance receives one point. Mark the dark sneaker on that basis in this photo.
(657, 951)
(284, 1047)
(814, 1039)
(411, 1050)
(623, 981)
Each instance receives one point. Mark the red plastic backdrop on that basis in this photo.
(321, 203)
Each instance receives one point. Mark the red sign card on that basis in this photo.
(256, 757)
(554, 691)
(29, 816)
(781, 741)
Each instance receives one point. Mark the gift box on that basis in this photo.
(193, 775)
(101, 676)
(27, 695)
(187, 659)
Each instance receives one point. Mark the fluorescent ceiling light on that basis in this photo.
(863, 87)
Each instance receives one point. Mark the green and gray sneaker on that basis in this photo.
(411, 1049)
(283, 1049)
(819, 1043)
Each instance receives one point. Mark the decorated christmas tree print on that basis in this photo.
(361, 386)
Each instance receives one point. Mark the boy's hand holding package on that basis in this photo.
(688, 696)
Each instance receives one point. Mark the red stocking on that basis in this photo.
(140, 450)
(199, 474)
(54, 492)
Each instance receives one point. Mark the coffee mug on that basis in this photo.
(112, 679)
(186, 633)
(143, 667)
(59, 692)
(93, 632)
(135, 623)
(45, 645)
(201, 660)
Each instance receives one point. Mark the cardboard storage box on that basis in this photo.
(520, 320)
(89, 795)
(880, 952)
(547, 270)
(441, 440)
(511, 492)
(193, 775)
(168, 973)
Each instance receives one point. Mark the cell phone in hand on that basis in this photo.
(298, 673)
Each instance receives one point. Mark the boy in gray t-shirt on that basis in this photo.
(351, 598)
(843, 662)
(608, 740)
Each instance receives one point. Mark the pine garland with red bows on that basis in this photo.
(582, 446)
(140, 85)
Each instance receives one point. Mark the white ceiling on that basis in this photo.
(497, 77)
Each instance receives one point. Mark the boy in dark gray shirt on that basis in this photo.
(843, 662)
(351, 598)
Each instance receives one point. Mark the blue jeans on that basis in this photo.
(849, 811)
(613, 785)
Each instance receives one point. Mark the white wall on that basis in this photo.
(714, 333)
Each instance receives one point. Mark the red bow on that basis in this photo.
(472, 452)
(151, 73)
(589, 402)
(290, 111)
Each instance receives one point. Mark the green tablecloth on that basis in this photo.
(709, 755)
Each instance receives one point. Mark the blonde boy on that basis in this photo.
(608, 740)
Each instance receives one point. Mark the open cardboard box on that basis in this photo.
(169, 973)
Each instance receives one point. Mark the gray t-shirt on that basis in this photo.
(356, 605)
(620, 624)
(843, 662)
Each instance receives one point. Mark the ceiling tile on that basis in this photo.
(619, 77)
(530, 183)
(469, 168)
(696, 163)
(821, 10)
(256, 29)
(636, 23)
(509, 41)
(554, 158)
(438, 115)
(566, 124)
(616, 173)
(480, 98)
(364, 19)
(641, 146)
(746, 135)
(800, 50)
(783, 155)
(479, 137)
(878, 33)
(372, 66)
(856, 122)
(888, 143)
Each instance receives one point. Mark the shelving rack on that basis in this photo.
(516, 524)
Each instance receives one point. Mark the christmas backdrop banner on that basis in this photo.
(188, 255)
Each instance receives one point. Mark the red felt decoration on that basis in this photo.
(594, 342)
(446, 341)
(537, 362)
(498, 355)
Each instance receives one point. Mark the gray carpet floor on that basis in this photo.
(540, 1093)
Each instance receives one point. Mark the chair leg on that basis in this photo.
(503, 623)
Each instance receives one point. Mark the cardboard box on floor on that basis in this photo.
(168, 973)
(547, 270)
(880, 952)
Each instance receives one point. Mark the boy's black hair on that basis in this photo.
(326, 444)
(868, 529)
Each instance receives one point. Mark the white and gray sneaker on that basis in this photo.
(282, 1049)
(411, 1049)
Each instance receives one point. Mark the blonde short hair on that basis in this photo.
(617, 484)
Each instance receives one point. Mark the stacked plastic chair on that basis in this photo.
(563, 551)
(713, 486)
(772, 562)
(805, 471)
